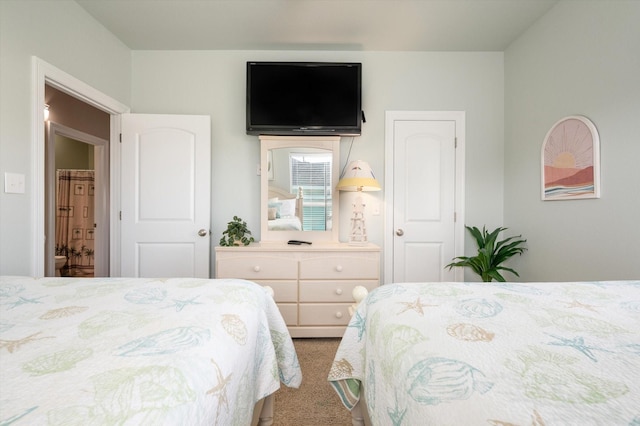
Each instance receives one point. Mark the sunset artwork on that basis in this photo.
(570, 157)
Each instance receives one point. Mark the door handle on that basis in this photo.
(399, 232)
(203, 232)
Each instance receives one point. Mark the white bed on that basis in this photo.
(87, 351)
(284, 211)
(493, 354)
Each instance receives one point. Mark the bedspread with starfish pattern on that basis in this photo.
(494, 354)
(139, 351)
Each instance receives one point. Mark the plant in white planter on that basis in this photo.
(236, 233)
(491, 254)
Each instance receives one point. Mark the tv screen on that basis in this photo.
(298, 98)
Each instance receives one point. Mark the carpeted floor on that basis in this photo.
(315, 402)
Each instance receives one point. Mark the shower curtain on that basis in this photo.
(75, 223)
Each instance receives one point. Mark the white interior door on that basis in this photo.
(422, 184)
(166, 186)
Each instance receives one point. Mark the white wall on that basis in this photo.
(65, 36)
(583, 57)
(213, 83)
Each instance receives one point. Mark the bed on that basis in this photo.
(284, 210)
(90, 351)
(493, 354)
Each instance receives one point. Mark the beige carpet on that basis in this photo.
(315, 402)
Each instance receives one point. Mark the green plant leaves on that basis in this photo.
(236, 233)
(491, 254)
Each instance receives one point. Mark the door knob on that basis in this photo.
(203, 232)
(399, 232)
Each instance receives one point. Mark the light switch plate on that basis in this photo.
(14, 183)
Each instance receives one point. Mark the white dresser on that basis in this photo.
(312, 283)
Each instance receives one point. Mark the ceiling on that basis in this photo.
(355, 25)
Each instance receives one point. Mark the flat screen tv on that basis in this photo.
(304, 98)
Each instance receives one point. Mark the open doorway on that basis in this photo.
(77, 187)
(45, 74)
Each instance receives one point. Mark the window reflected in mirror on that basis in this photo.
(306, 174)
(298, 188)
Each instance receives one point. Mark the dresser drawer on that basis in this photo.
(283, 291)
(257, 268)
(332, 291)
(324, 314)
(289, 312)
(340, 267)
(312, 285)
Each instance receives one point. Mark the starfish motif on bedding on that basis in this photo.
(417, 306)
(358, 322)
(23, 301)
(396, 415)
(578, 344)
(12, 345)
(220, 390)
(181, 304)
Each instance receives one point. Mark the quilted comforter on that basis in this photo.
(139, 351)
(494, 354)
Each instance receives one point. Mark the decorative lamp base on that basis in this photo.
(358, 235)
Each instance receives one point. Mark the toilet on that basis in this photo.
(60, 261)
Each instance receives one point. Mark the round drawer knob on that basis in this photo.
(339, 268)
(338, 291)
(338, 314)
(256, 268)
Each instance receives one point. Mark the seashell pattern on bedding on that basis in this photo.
(97, 351)
(558, 353)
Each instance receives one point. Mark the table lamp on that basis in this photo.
(358, 177)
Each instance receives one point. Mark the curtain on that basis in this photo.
(75, 221)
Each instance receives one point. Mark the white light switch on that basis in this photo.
(14, 183)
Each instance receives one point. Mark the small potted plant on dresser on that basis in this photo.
(237, 233)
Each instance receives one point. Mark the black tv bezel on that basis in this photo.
(297, 130)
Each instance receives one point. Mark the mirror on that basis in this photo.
(297, 186)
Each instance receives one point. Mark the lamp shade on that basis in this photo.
(358, 177)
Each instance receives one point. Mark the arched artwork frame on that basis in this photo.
(570, 160)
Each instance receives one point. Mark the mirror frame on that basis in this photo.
(330, 143)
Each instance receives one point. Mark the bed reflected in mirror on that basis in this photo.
(298, 188)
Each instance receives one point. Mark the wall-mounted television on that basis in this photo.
(304, 98)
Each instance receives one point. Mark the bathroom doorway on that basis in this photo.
(77, 187)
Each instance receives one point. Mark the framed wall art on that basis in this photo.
(571, 160)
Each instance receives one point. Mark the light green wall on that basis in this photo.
(213, 83)
(65, 36)
(73, 154)
(581, 58)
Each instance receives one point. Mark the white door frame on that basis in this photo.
(45, 73)
(390, 117)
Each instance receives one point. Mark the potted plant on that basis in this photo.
(236, 233)
(491, 254)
